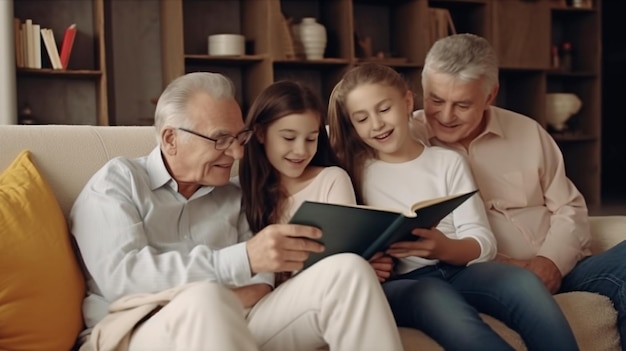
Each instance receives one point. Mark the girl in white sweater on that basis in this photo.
(443, 280)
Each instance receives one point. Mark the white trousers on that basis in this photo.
(337, 303)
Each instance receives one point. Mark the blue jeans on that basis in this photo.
(603, 274)
(443, 301)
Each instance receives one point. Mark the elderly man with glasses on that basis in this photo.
(172, 264)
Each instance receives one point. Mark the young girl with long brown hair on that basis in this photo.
(288, 159)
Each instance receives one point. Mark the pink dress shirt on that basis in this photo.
(533, 208)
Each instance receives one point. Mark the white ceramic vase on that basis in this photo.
(560, 107)
(313, 38)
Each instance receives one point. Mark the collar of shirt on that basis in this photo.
(493, 127)
(159, 176)
(493, 124)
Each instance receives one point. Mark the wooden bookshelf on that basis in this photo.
(521, 31)
(77, 95)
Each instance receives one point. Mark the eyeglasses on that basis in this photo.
(223, 142)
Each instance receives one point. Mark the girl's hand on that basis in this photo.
(249, 295)
(383, 266)
(433, 244)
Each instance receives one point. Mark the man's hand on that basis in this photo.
(282, 247)
(513, 261)
(543, 267)
(251, 294)
(383, 265)
(547, 271)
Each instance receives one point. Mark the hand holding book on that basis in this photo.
(383, 266)
(282, 247)
(367, 230)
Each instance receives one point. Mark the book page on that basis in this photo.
(375, 208)
(426, 203)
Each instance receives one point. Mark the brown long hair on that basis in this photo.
(351, 151)
(262, 196)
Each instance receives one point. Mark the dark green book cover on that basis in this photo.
(365, 230)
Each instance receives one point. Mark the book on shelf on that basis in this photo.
(51, 47)
(441, 23)
(36, 45)
(365, 230)
(27, 40)
(18, 42)
(67, 44)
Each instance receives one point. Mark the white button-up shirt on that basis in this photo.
(137, 234)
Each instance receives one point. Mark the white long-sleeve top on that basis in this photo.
(137, 234)
(436, 172)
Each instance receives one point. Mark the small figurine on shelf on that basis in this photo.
(26, 116)
(555, 57)
(364, 46)
(566, 56)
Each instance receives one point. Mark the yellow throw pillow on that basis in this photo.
(41, 284)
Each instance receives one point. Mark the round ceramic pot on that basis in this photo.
(226, 44)
(560, 107)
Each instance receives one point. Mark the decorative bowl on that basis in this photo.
(560, 107)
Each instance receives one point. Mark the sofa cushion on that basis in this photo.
(41, 284)
(591, 317)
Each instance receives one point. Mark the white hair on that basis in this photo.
(171, 109)
(467, 57)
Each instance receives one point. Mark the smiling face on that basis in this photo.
(379, 113)
(290, 143)
(456, 109)
(192, 160)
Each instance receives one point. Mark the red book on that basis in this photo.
(66, 45)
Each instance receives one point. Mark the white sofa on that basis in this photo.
(68, 155)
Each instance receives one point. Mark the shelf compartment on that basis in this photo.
(247, 17)
(311, 63)
(523, 91)
(587, 120)
(572, 10)
(334, 15)
(391, 62)
(48, 72)
(582, 166)
(225, 60)
(579, 28)
(398, 30)
(469, 16)
(59, 101)
(572, 137)
(321, 78)
(556, 73)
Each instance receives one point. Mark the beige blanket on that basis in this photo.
(114, 331)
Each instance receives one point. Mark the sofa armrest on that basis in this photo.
(606, 232)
